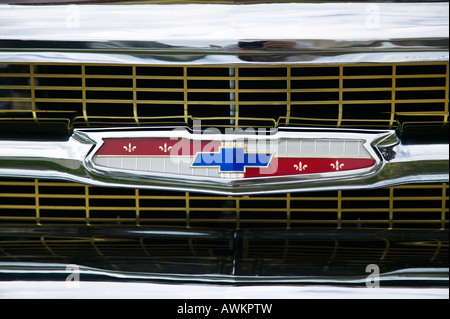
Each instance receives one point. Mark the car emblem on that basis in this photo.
(234, 163)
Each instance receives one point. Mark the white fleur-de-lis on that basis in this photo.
(129, 148)
(336, 166)
(166, 148)
(300, 167)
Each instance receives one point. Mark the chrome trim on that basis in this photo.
(396, 163)
(217, 34)
(32, 268)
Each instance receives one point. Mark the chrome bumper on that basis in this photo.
(220, 34)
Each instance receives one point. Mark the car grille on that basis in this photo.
(326, 233)
(351, 95)
(49, 203)
(331, 233)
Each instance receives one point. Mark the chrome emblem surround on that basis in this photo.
(300, 176)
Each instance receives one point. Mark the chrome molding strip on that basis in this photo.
(217, 34)
(72, 160)
(404, 275)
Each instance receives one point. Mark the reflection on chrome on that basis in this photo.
(227, 34)
(438, 275)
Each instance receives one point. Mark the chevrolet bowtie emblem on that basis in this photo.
(231, 160)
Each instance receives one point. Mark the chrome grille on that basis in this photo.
(353, 95)
(48, 203)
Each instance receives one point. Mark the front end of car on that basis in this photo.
(295, 143)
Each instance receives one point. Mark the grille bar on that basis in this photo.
(36, 202)
(359, 95)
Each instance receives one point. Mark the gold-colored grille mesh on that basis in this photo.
(354, 95)
(39, 202)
